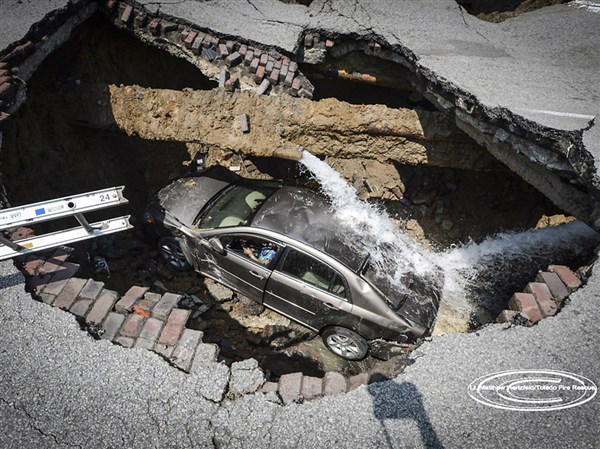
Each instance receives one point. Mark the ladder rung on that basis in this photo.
(62, 207)
(54, 239)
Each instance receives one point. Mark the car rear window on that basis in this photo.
(237, 205)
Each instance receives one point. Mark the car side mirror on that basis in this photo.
(217, 245)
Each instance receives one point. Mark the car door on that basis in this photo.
(226, 262)
(307, 290)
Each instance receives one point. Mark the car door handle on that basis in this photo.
(256, 275)
(330, 306)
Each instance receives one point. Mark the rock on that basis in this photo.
(246, 377)
(218, 292)
(251, 307)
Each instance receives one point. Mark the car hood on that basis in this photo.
(184, 198)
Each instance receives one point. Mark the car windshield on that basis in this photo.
(237, 205)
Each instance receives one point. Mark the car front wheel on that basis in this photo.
(345, 343)
(170, 250)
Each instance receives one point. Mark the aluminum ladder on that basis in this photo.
(74, 206)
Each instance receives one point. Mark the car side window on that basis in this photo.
(314, 272)
(259, 250)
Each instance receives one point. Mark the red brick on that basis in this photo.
(542, 295)
(111, 326)
(269, 67)
(164, 307)
(175, 324)
(111, 4)
(312, 387)
(329, 43)
(293, 66)
(233, 59)
(37, 283)
(264, 59)
(19, 53)
(357, 380)
(126, 342)
(290, 386)
(506, 316)
(274, 77)
(557, 288)
(102, 306)
(154, 26)
(5, 79)
(165, 350)
(260, 74)
(143, 343)
(264, 86)
(32, 264)
(277, 65)
(229, 45)
(69, 293)
(145, 305)
(243, 49)
(183, 354)
(151, 329)
(269, 387)
(132, 326)
(334, 383)
(231, 84)
(283, 72)
(197, 44)
(248, 58)
(4, 72)
(222, 50)
(568, 278)
(189, 40)
(254, 65)
(125, 304)
(289, 79)
(126, 15)
(296, 85)
(526, 302)
(60, 278)
(51, 265)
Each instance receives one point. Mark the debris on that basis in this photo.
(101, 266)
(244, 123)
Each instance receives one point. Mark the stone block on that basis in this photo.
(207, 41)
(102, 306)
(290, 387)
(557, 287)
(223, 77)
(289, 79)
(91, 289)
(174, 326)
(334, 383)
(542, 295)
(183, 354)
(132, 326)
(269, 67)
(293, 66)
(296, 85)
(312, 387)
(197, 44)
(163, 308)
(111, 326)
(125, 304)
(570, 279)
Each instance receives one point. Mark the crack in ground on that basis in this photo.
(462, 15)
(31, 419)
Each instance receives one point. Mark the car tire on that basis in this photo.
(171, 252)
(345, 343)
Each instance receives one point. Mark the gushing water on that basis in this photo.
(475, 275)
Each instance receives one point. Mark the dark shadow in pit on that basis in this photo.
(403, 401)
(500, 10)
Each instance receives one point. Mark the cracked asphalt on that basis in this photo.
(61, 388)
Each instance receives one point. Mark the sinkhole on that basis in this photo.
(439, 187)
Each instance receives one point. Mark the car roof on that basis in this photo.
(307, 216)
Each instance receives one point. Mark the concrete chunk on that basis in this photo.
(290, 387)
(334, 383)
